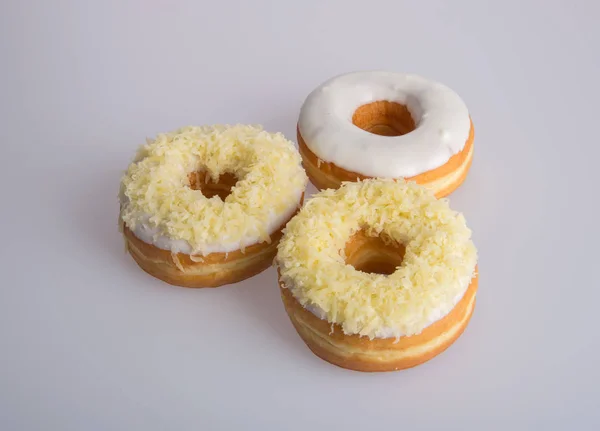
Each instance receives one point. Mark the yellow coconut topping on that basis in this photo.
(156, 192)
(437, 268)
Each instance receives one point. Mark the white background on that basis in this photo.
(90, 342)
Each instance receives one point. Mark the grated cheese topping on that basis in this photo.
(157, 202)
(438, 265)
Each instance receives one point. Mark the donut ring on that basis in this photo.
(204, 206)
(390, 125)
(377, 275)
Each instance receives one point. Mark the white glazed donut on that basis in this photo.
(384, 124)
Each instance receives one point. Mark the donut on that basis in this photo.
(377, 275)
(388, 125)
(205, 206)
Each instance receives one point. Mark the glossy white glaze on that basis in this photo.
(441, 118)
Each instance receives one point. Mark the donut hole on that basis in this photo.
(202, 181)
(373, 254)
(384, 118)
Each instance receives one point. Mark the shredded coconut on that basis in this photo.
(438, 265)
(155, 188)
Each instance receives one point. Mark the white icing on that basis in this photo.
(150, 234)
(441, 118)
(385, 331)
